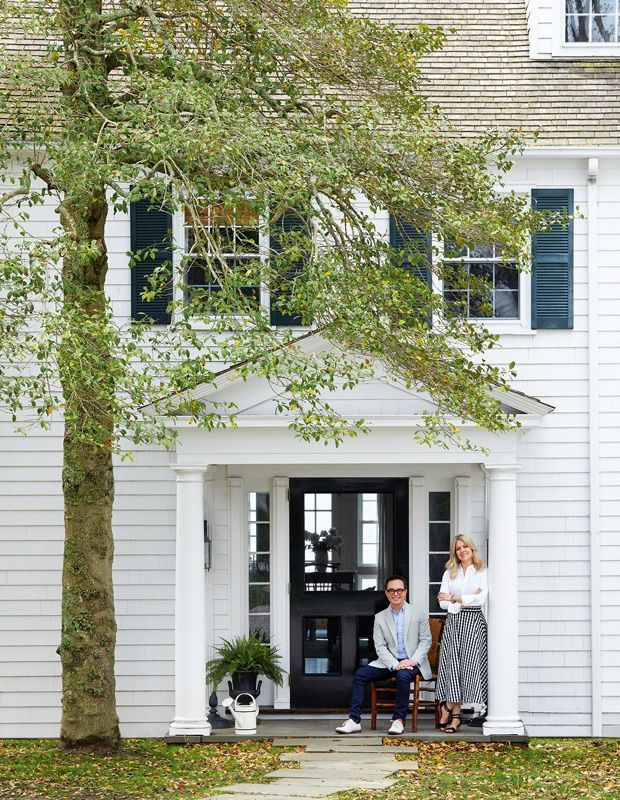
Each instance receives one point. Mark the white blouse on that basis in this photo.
(464, 584)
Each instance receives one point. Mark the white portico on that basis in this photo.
(262, 452)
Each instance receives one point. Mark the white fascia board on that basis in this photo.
(394, 421)
(523, 403)
(569, 152)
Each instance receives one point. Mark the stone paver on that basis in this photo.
(312, 794)
(343, 748)
(340, 756)
(329, 765)
(265, 790)
(340, 771)
(351, 740)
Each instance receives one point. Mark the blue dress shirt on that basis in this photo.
(399, 621)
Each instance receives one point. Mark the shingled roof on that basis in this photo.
(484, 78)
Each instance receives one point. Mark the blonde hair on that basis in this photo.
(453, 564)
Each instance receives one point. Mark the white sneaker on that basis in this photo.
(397, 727)
(350, 726)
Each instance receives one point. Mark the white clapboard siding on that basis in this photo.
(553, 498)
(31, 543)
(609, 376)
(553, 521)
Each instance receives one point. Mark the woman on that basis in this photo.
(462, 674)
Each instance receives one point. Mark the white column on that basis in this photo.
(190, 695)
(503, 712)
(280, 577)
(418, 542)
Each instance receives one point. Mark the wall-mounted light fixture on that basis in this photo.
(207, 542)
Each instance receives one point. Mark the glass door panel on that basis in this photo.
(347, 540)
(346, 537)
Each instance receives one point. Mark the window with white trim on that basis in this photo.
(479, 283)
(579, 29)
(233, 240)
(591, 21)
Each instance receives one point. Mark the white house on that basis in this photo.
(544, 503)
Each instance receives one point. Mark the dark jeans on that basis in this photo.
(403, 688)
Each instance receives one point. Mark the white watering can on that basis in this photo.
(244, 714)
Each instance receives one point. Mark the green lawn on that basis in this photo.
(148, 769)
(145, 769)
(550, 769)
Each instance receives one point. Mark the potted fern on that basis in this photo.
(244, 658)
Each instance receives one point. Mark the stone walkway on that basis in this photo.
(328, 765)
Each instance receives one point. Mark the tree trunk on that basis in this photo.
(89, 717)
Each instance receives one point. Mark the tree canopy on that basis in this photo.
(261, 110)
(273, 106)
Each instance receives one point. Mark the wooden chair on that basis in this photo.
(382, 692)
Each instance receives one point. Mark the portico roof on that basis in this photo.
(382, 398)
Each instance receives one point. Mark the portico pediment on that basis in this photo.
(372, 399)
(381, 397)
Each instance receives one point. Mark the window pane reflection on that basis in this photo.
(321, 645)
(592, 21)
(347, 541)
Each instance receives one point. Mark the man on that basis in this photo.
(402, 639)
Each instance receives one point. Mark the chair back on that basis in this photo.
(436, 625)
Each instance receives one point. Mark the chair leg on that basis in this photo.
(437, 713)
(373, 707)
(416, 699)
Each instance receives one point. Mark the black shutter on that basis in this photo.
(288, 222)
(552, 263)
(150, 227)
(403, 235)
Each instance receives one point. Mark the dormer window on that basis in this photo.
(593, 21)
(574, 29)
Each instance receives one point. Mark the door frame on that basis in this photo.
(319, 603)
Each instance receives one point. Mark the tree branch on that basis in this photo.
(4, 198)
(45, 175)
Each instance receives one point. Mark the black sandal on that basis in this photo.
(444, 707)
(452, 729)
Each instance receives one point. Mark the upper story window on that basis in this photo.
(574, 29)
(480, 284)
(591, 20)
(232, 241)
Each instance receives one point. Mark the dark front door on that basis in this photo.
(347, 537)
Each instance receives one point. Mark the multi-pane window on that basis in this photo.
(592, 20)
(439, 533)
(318, 533)
(480, 284)
(259, 562)
(369, 524)
(231, 242)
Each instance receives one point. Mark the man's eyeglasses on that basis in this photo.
(395, 591)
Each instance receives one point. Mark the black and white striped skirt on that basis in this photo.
(462, 674)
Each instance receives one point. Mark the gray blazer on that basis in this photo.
(417, 639)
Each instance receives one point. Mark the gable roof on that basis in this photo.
(387, 398)
(484, 78)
